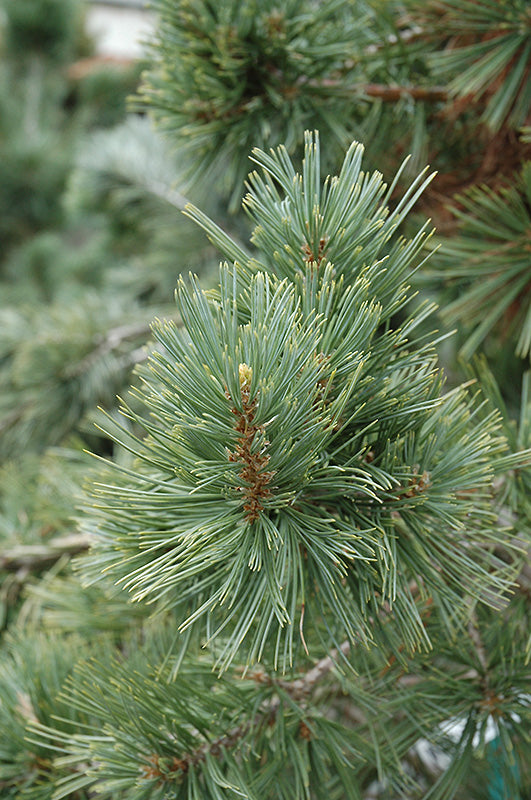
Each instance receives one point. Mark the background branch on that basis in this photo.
(40, 556)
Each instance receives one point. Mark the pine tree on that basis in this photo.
(300, 562)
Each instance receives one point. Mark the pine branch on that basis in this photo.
(215, 748)
(300, 476)
(388, 93)
(487, 56)
(298, 690)
(42, 556)
(111, 341)
(207, 718)
(266, 413)
(489, 262)
(67, 361)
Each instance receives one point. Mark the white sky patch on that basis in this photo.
(117, 31)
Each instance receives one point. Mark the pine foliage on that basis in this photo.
(299, 438)
(249, 75)
(304, 494)
(491, 262)
(487, 55)
(299, 565)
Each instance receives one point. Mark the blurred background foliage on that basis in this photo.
(90, 225)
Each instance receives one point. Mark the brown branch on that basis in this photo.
(40, 556)
(298, 690)
(386, 92)
(391, 94)
(324, 666)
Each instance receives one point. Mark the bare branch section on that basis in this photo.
(389, 93)
(302, 687)
(41, 556)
